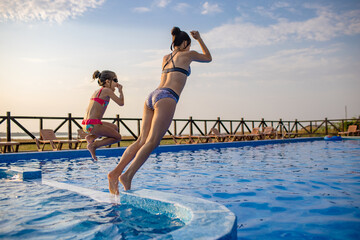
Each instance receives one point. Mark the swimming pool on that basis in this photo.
(299, 190)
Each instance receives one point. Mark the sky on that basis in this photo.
(294, 59)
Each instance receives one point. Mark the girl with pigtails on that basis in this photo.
(99, 101)
(160, 105)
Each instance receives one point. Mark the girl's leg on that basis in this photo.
(112, 136)
(91, 138)
(130, 151)
(163, 115)
(111, 125)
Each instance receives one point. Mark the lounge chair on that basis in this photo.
(255, 134)
(201, 139)
(178, 139)
(81, 137)
(289, 134)
(352, 131)
(238, 137)
(269, 132)
(8, 146)
(48, 136)
(220, 137)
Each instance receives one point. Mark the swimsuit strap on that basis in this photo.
(176, 69)
(171, 58)
(100, 91)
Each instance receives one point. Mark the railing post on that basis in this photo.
(69, 126)
(205, 127)
(326, 126)
(41, 123)
(118, 126)
(118, 122)
(218, 123)
(296, 125)
(8, 127)
(242, 126)
(139, 127)
(175, 128)
(191, 126)
(311, 128)
(231, 130)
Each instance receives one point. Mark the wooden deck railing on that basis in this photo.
(131, 126)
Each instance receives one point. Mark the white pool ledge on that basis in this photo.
(203, 219)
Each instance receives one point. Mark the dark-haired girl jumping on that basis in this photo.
(159, 107)
(92, 123)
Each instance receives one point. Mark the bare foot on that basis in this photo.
(91, 147)
(113, 184)
(125, 182)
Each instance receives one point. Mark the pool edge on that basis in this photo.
(203, 219)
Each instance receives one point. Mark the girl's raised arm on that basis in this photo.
(205, 56)
(119, 100)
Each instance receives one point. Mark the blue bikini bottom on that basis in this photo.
(158, 94)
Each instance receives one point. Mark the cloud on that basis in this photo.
(161, 3)
(208, 8)
(155, 4)
(181, 7)
(325, 26)
(44, 10)
(311, 65)
(141, 9)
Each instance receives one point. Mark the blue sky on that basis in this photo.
(271, 59)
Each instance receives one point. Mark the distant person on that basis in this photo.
(160, 106)
(96, 109)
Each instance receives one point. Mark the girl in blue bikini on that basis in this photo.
(159, 107)
(92, 123)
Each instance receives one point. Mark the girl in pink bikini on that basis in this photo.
(99, 101)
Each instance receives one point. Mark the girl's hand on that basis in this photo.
(119, 86)
(195, 35)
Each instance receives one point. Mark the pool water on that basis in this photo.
(304, 190)
(31, 210)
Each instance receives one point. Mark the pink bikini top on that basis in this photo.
(100, 100)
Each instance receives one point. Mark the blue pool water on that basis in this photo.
(304, 190)
(31, 210)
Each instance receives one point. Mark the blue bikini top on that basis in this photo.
(175, 69)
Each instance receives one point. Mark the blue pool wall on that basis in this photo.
(111, 152)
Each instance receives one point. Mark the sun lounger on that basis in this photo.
(269, 132)
(220, 137)
(201, 139)
(352, 131)
(255, 134)
(48, 136)
(178, 139)
(290, 134)
(238, 137)
(8, 146)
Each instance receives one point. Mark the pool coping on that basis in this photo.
(203, 219)
(106, 152)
